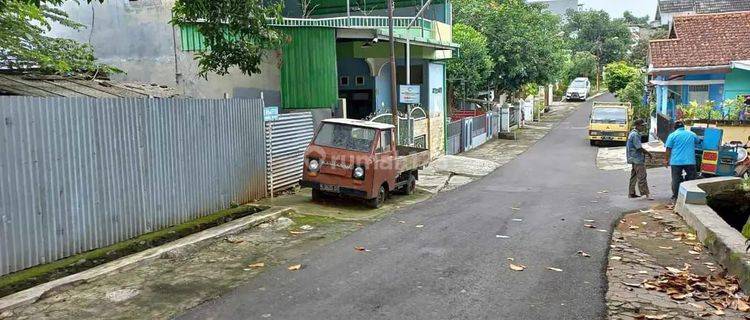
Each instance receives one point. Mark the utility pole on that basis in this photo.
(394, 93)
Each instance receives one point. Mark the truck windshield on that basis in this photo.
(609, 115)
(347, 137)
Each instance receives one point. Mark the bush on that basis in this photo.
(619, 75)
(633, 93)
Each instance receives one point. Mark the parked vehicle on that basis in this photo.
(578, 89)
(360, 159)
(610, 121)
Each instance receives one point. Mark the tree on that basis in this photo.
(236, 32)
(619, 74)
(581, 64)
(471, 70)
(632, 20)
(639, 53)
(594, 31)
(24, 45)
(523, 39)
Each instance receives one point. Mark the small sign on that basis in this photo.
(409, 94)
(270, 113)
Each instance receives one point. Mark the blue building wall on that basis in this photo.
(738, 83)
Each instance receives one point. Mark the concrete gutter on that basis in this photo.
(725, 242)
(31, 295)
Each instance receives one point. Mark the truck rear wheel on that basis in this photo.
(377, 202)
(410, 186)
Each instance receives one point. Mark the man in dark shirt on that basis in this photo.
(637, 158)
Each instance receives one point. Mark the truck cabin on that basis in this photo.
(609, 115)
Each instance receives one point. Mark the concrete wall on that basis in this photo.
(136, 36)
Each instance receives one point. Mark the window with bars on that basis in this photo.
(698, 93)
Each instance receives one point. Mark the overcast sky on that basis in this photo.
(617, 7)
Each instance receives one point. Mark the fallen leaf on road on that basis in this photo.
(257, 265)
(649, 286)
(297, 232)
(501, 236)
(742, 306)
(306, 227)
(665, 248)
(602, 230)
(517, 220)
(234, 240)
(697, 306)
(616, 258)
(679, 296)
(633, 227)
(646, 211)
(644, 223)
(674, 270)
(643, 272)
(693, 252)
(677, 239)
(603, 191)
(591, 226)
(584, 254)
(295, 267)
(719, 312)
(511, 259)
(515, 208)
(588, 220)
(554, 269)
(634, 285)
(594, 201)
(359, 248)
(690, 236)
(654, 316)
(517, 267)
(420, 226)
(402, 221)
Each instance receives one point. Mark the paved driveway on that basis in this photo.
(455, 266)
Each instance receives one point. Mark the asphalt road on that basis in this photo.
(455, 267)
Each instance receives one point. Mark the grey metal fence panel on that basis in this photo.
(78, 174)
(478, 126)
(454, 137)
(286, 141)
(514, 115)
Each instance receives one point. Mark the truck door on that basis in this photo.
(385, 160)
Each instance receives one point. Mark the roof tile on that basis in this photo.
(704, 40)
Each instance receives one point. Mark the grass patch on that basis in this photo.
(33, 276)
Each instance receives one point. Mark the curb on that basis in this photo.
(724, 242)
(33, 294)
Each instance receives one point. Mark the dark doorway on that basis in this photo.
(359, 103)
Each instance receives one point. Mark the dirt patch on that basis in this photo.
(732, 205)
(31, 277)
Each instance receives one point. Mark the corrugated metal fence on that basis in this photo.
(286, 141)
(78, 173)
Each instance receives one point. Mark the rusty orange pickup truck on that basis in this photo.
(360, 159)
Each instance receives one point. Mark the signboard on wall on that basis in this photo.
(409, 94)
(270, 113)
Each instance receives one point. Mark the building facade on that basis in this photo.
(706, 59)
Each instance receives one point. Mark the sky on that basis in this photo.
(617, 7)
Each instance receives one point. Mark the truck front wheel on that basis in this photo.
(317, 195)
(378, 201)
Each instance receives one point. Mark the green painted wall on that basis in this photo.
(309, 78)
(737, 83)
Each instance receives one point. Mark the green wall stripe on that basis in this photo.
(308, 71)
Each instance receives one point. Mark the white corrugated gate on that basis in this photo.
(286, 140)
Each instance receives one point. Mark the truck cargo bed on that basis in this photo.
(411, 158)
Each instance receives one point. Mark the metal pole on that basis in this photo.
(394, 98)
(408, 61)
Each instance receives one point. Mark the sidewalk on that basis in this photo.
(658, 270)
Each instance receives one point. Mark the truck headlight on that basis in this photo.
(595, 133)
(359, 173)
(313, 165)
